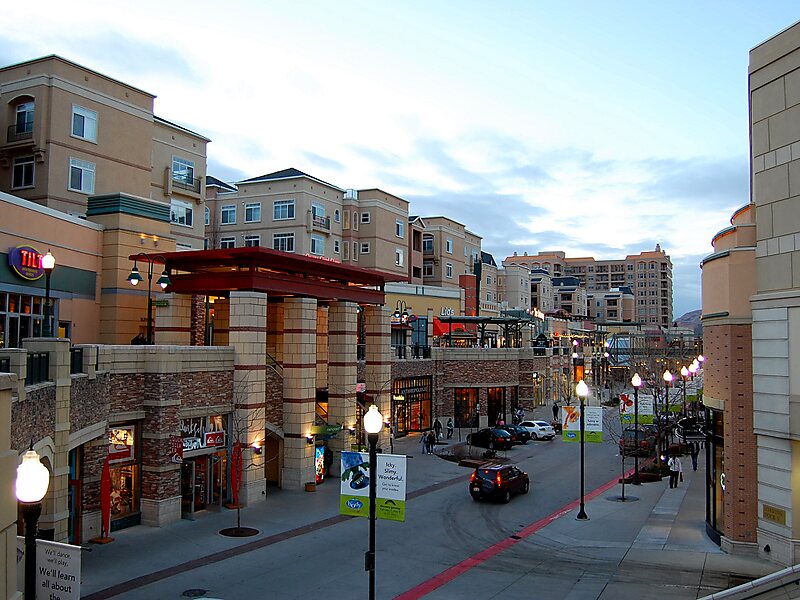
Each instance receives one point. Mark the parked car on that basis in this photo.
(498, 481)
(539, 430)
(520, 434)
(647, 441)
(491, 438)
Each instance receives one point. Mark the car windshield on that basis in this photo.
(490, 474)
(501, 432)
(542, 424)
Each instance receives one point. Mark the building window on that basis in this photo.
(449, 270)
(364, 247)
(180, 213)
(427, 245)
(488, 296)
(488, 280)
(355, 221)
(228, 215)
(24, 120)
(206, 243)
(182, 247)
(399, 257)
(84, 123)
(252, 212)
(355, 250)
(317, 245)
(399, 228)
(22, 175)
(282, 210)
(337, 216)
(81, 176)
(336, 246)
(346, 249)
(448, 246)
(227, 242)
(207, 215)
(365, 217)
(427, 269)
(252, 241)
(283, 242)
(182, 170)
(346, 222)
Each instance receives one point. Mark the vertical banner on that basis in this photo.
(645, 410)
(58, 571)
(390, 481)
(592, 423)
(105, 500)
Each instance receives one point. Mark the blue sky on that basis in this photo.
(596, 128)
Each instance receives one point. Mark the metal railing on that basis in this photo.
(75, 361)
(38, 367)
(20, 131)
(184, 182)
(415, 351)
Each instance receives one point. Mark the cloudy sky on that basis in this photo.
(598, 128)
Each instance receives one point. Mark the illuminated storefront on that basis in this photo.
(124, 468)
(411, 404)
(204, 471)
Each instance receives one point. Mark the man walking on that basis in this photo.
(437, 427)
(675, 471)
(449, 428)
(694, 450)
(555, 411)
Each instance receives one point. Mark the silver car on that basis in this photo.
(540, 430)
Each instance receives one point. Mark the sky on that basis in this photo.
(596, 128)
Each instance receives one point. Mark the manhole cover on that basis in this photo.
(238, 531)
(196, 593)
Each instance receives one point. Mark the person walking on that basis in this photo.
(555, 411)
(424, 439)
(437, 427)
(694, 450)
(675, 471)
(449, 428)
(431, 441)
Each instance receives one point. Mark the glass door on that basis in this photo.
(187, 490)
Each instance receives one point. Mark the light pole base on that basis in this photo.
(582, 516)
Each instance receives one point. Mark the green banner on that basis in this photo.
(390, 486)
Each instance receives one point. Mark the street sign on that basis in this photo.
(390, 492)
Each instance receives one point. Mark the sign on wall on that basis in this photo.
(198, 433)
(58, 569)
(390, 492)
(120, 444)
(26, 261)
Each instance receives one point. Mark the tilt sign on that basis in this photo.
(26, 262)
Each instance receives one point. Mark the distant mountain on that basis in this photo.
(692, 320)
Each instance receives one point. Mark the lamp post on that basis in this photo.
(583, 391)
(32, 481)
(373, 423)
(636, 382)
(48, 264)
(668, 377)
(684, 375)
(134, 278)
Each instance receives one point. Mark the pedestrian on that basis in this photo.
(431, 441)
(424, 439)
(520, 415)
(437, 426)
(694, 451)
(449, 428)
(555, 411)
(675, 471)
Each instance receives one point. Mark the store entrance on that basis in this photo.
(203, 480)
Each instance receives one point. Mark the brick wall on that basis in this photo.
(34, 417)
(88, 401)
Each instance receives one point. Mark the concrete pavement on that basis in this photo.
(654, 546)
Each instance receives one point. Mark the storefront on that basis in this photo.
(411, 404)
(204, 471)
(124, 462)
(715, 469)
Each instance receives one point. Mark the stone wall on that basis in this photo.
(34, 417)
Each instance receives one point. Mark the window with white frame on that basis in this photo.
(355, 250)
(346, 219)
(427, 269)
(317, 245)
(355, 221)
(252, 212)
(336, 246)
(227, 242)
(251, 241)
(84, 123)
(182, 247)
(449, 270)
(427, 244)
(24, 118)
(364, 247)
(283, 242)
(227, 215)
(345, 250)
(337, 216)
(180, 212)
(448, 246)
(365, 217)
(399, 228)
(22, 174)
(81, 176)
(399, 257)
(182, 170)
(207, 212)
(283, 210)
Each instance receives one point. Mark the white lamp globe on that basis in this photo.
(32, 478)
(668, 377)
(684, 372)
(373, 420)
(636, 381)
(582, 389)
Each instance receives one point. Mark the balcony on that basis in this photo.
(186, 182)
(20, 131)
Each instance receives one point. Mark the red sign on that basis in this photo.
(214, 439)
(176, 449)
(120, 444)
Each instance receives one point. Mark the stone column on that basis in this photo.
(322, 347)
(342, 373)
(173, 321)
(378, 368)
(8, 503)
(221, 321)
(299, 391)
(248, 336)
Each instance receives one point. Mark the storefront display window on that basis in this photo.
(465, 405)
(411, 404)
(125, 474)
(124, 491)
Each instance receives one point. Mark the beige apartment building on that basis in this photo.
(449, 251)
(541, 290)
(617, 305)
(514, 287)
(648, 274)
(73, 133)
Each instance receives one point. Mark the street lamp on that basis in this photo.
(636, 382)
(32, 481)
(373, 423)
(583, 391)
(134, 278)
(48, 264)
(668, 377)
(684, 375)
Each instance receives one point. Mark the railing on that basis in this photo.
(5, 365)
(416, 351)
(75, 361)
(38, 367)
(184, 182)
(20, 131)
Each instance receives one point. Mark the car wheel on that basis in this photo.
(506, 497)
(475, 497)
(534, 436)
(525, 487)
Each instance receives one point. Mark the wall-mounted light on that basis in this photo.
(352, 430)
(309, 439)
(257, 447)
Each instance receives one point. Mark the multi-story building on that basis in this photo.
(541, 290)
(616, 305)
(569, 296)
(514, 287)
(75, 133)
(449, 251)
(647, 274)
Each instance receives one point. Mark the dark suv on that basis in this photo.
(498, 481)
(491, 438)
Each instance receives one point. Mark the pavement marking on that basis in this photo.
(448, 575)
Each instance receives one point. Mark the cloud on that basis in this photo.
(322, 162)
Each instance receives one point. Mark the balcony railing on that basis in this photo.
(411, 352)
(20, 131)
(185, 182)
(38, 367)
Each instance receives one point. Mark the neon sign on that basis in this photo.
(26, 262)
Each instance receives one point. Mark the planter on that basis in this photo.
(311, 486)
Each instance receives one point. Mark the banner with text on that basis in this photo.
(592, 423)
(627, 409)
(390, 482)
(58, 569)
